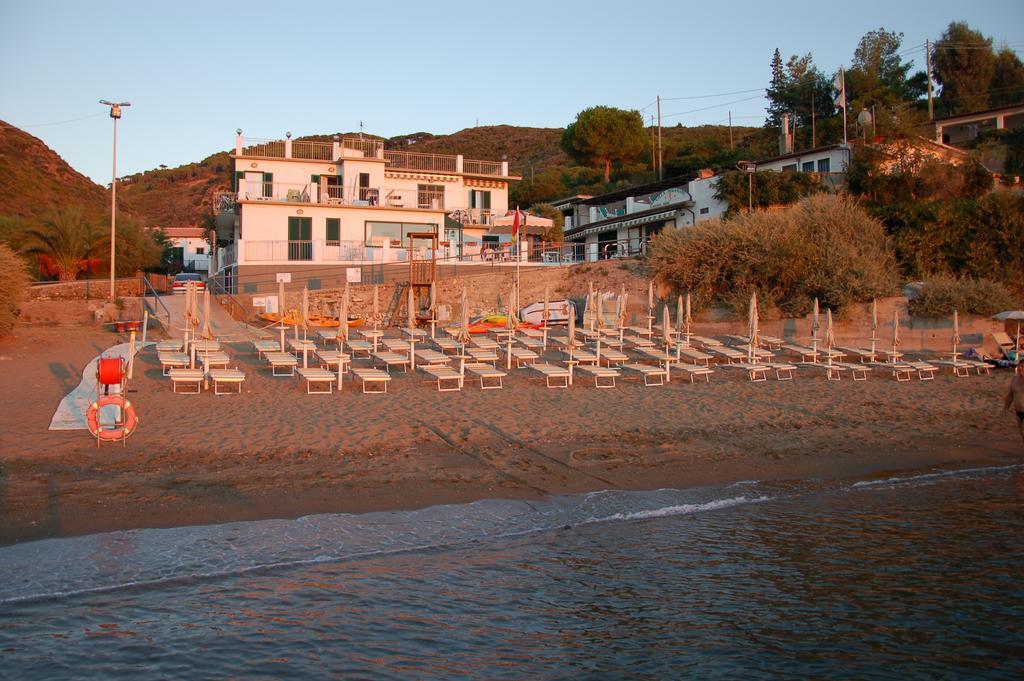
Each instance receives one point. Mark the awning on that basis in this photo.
(632, 222)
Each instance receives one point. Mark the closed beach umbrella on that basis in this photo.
(281, 310)
(752, 331)
(956, 332)
(874, 326)
(512, 319)
(650, 305)
(464, 318)
(830, 339)
(411, 309)
(815, 325)
(592, 306)
(376, 305)
(433, 307)
(571, 341)
(689, 318)
(510, 325)
(545, 315)
(666, 327)
(623, 299)
(305, 317)
(343, 324)
(207, 331)
(680, 314)
(895, 332)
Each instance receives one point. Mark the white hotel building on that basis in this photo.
(321, 211)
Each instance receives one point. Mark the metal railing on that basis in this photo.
(336, 195)
(238, 311)
(225, 202)
(147, 288)
(318, 250)
(313, 151)
(264, 148)
(471, 167)
(410, 160)
(369, 148)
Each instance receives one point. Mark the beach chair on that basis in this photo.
(262, 347)
(611, 356)
(833, 371)
(480, 355)
(329, 335)
(695, 370)
(281, 361)
(899, 370)
(696, 356)
(804, 352)
(169, 345)
(755, 372)
(396, 344)
(445, 376)
(490, 378)
(640, 342)
(560, 376)
(447, 345)
(580, 356)
(925, 371)
(772, 342)
(484, 343)
(371, 378)
(315, 376)
(604, 377)
(297, 345)
(959, 368)
(172, 360)
(705, 341)
(864, 354)
(530, 342)
(221, 377)
(728, 355)
(357, 347)
(976, 364)
(333, 358)
(389, 359)
(428, 357)
(1005, 343)
(215, 360)
(523, 356)
(652, 375)
(187, 377)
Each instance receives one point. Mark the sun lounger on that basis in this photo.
(371, 378)
(360, 346)
(728, 354)
(805, 353)
(445, 376)
(484, 343)
(695, 370)
(318, 376)
(696, 356)
(959, 368)
(389, 359)
(925, 371)
(755, 372)
(865, 354)
(187, 377)
(833, 371)
(523, 356)
(1005, 343)
(298, 344)
(640, 331)
(531, 342)
(772, 342)
(604, 377)
(428, 357)
(490, 378)
(652, 375)
(447, 344)
(169, 345)
(551, 372)
(612, 356)
(332, 358)
(215, 360)
(976, 364)
(580, 356)
(705, 341)
(480, 355)
(262, 347)
(640, 342)
(221, 377)
(203, 345)
(280, 361)
(396, 344)
(900, 370)
(328, 334)
(172, 360)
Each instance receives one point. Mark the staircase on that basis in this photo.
(395, 312)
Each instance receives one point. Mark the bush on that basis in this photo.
(942, 294)
(825, 247)
(13, 286)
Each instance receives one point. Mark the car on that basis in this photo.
(181, 280)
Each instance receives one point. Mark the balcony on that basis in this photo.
(356, 148)
(334, 195)
(319, 251)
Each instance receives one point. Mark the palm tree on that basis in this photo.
(66, 239)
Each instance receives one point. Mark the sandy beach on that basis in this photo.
(275, 451)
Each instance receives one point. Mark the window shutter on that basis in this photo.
(238, 177)
(268, 185)
(293, 228)
(333, 229)
(486, 200)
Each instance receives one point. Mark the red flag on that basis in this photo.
(515, 226)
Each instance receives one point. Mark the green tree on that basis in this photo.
(878, 76)
(67, 240)
(801, 89)
(602, 135)
(556, 233)
(1007, 86)
(13, 285)
(964, 63)
(138, 248)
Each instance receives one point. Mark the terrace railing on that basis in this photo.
(409, 160)
(471, 167)
(314, 151)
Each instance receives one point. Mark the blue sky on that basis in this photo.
(196, 71)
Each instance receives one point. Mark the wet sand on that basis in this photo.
(275, 451)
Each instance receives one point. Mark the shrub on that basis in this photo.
(942, 294)
(14, 282)
(825, 246)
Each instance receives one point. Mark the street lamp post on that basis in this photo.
(115, 113)
(749, 167)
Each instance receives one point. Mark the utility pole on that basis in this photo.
(115, 113)
(660, 159)
(654, 160)
(928, 63)
(730, 131)
(813, 123)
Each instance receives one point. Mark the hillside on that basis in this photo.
(35, 181)
(177, 197)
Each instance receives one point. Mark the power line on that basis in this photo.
(70, 120)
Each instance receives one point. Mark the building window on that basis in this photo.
(823, 166)
(200, 250)
(300, 238)
(430, 196)
(705, 210)
(808, 167)
(333, 231)
(791, 168)
(376, 232)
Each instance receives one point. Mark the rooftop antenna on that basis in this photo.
(360, 131)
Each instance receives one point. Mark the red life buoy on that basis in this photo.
(124, 426)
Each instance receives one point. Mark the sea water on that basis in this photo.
(909, 576)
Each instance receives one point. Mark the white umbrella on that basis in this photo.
(623, 299)
(343, 323)
(874, 326)
(752, 330)
(815, 325)
(571, 340)
(895, 332)
(1019, 316)
(546, 315)
(464, 319)
(207, 332)
(433, 307)
(666, 327)
(830, 339)
(305, 317)
(412, 327)
(411, 309)
(280, 310)
(592, 306)
(689, 318)
(650, 305)
(680, 315)
(956, 333)
(510, 326)
(376, 305)
(600, 324)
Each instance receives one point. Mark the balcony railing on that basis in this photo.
(318, 250)
(481, 167)
(264, 148)
(314, 151)
(337, 195)
(409, 160)
(224, 202)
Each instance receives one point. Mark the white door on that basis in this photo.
(254, 185)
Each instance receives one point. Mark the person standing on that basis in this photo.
(1015, 397)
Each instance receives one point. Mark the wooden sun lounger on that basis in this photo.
(694, 370)
(531, 342)
(959, 368)
(281, 360)
(391, 358)
(187, 377)
(640, 342)
(486, 373)
(262, 347)
(444, 375)
(755, 372)
(980, 366)
(480, 355)
(447, 344)
(613, 356)
(604, 377)
(328, 334)
(728, 354)
(560, 375)
(805, 353)
(833, 371)
(484, 343)
(221, 377)
(321, 376)
(772, 342)
(333, 358)
(169, 345)
(925, 371)
(371, 377)
(696, 355)
(172, 360)
(523, 356)
(360, 346)
(705, 341)
(580, 356)
(652, 375)
(428, 357)
(901, 371)
(865, 354)
(215, 360)
(396, 344)
(640, 331)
